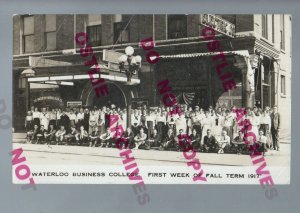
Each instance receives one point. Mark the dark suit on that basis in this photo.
(275, 126)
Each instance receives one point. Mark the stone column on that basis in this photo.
(248, 93)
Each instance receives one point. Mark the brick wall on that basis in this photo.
(244, 23)
(160, 27)
(65, 32)
(193, 28)
(107, 30)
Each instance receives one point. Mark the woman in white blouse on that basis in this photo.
(265, 122)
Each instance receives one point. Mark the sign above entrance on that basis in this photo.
(43, 62)
(218, 24)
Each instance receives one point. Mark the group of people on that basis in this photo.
(213, 130)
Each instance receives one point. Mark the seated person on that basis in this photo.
(140, 139)
(50, 134)
(32, 134)
(195, 139)
(60, 135)
(72, 136)
(154, 139)
(129, 136)
(224, 142)
(182, 140)
(82, 135)
(262, 142)
(238, 143)
(169, 142)
(210, 143)
(41, 135)
(106, 139)
(94, 138)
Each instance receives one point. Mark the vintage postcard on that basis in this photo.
(152, 99)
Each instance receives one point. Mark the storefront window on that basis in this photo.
(264, 26)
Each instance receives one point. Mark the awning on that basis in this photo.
(243, 53)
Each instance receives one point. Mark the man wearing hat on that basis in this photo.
(275, 127)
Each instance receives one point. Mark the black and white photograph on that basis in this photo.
(159, 98)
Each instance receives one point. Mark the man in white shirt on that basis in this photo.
(224, 142)
(262, 141)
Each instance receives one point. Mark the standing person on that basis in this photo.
(58, 114)
(36, 117)
(196, 120)
(187, 114)
(93, 121)
(206, 124)
(65, 121)
(44, 118)
(150, 122)
(79, 118)
(72, 117)
(265, 122)
(123, 118)
(82, 136)
(262, 142)
(254, 120)
(275, 127)
(29, 121)
(228, 124)
(101, 122)
(52, 118)
(135, 122)
(86, 118)
(161, 122)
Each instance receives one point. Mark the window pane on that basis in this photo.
(94, 20)
(94, 34)
(29, 44)
(28, 25)
(264, 25)
(50, 22)
(51, 40)
(283, 85)
(123, 36)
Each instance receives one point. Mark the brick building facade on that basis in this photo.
(258, 51)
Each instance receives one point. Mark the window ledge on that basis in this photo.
(267, 41)
(283, 95)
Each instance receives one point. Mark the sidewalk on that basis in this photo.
(92, 155)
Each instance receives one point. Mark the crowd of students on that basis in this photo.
(214, 130)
